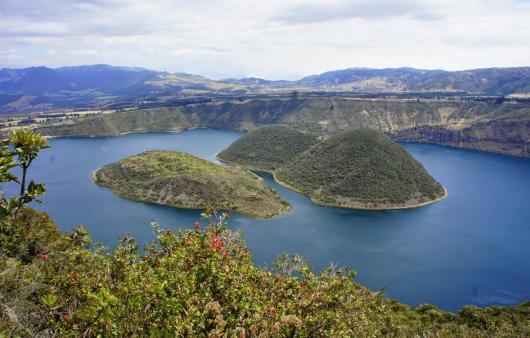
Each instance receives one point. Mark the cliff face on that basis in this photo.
(499, 136)
(497, 127)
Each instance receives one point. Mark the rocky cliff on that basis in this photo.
(485, 125)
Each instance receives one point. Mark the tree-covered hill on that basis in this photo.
(268, 148)
(184, 181)
(361, 168)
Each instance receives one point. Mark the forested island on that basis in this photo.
(182, 180)
(268, 148)
(358, 168)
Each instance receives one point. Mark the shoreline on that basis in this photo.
(283, 212)
(450, 145)
(317, 202)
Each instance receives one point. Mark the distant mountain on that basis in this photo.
(492, 81)
(42, 80)
(495, 81)
(42, 88)
(249, 81)
(374, 79)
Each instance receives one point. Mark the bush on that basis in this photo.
(203, 283)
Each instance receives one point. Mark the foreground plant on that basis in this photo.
(18, 151)
(200, 283)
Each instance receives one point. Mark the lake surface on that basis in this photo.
(471, 248)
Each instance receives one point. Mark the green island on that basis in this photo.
(184, 181)
(199, 282)
(268, 148)
(358, 168)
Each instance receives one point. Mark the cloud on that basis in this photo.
(272, 39)
(365, 9)
(10, 56)
(85, 52)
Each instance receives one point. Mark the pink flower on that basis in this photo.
(197, 225)
(43, 256)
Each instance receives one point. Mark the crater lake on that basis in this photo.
(470, 248)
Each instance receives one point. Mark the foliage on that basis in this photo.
(19, 150)
(203, 283)
(268, 148)
(182, 180)
(360, 167)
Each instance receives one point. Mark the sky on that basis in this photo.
(273, 39)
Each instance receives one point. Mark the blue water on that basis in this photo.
(471, 248)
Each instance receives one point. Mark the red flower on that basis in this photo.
(43, 256)
(217, 243)
(226, 255)
(270, 309)
(197, 225)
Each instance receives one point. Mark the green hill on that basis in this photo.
(361, 168)
(268, 148)
(185, 181)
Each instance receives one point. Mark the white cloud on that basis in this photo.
(273, 39)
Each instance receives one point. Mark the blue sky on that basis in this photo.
(284, 39)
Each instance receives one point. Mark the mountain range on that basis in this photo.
(42, 88)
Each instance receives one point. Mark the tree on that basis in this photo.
(19, 150)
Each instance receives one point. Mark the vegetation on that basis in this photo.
(360, 168)
(41, 88)
(202, 283)
(18, 151)
(485, 125)
(199, 283)
(268, 148)
(185, 181)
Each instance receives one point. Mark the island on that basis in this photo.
(182, 180)
(268, 148)
(358, 168)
